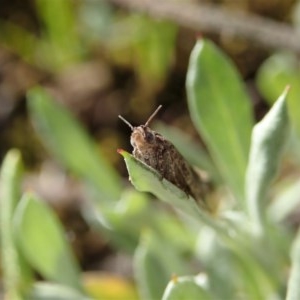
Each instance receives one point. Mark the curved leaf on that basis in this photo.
(186, 288)
(285, 202)
(155, 260)
(268, 139)
(16, 274)
(274, 75)
(146, 179)
(69, 142)
(42, 240)
(50, 291)
(221, 111)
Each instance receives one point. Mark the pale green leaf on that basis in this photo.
(293, 289)
(221, 111)
(155, 261)
(187, 288)
(285, 202)
(43, 242)
(51, 291)
(274, 75)
(146, 179)
(16, 274)
(268, 140)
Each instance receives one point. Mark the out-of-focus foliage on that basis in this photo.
(269, 137)
(241, 254)
(16, 274)
(133, 41)
(55, 260)
(228, 244)
(277, 72)
(244, 250)
(212, 109)
(62, 130)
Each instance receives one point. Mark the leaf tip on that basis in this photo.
(122, 152)
(174, 278)
(287, 88)
(199, 36)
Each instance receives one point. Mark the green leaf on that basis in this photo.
(221, 111)
(285, 202)
(155, 260)
(19, 40)
(235, 268)
(268, 140)
(274, 75)
(67, 140)
(146, 179)
(50, 291)
(293, 289)
(154, 47)
(96, 19)
(218, 263)
(186, 288)
(42, 240)
(15, 272)
(61, 43)
(147, 45)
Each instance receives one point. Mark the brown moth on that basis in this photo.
(154, 150)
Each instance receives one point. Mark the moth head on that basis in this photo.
(142, 135)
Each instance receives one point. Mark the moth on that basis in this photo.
(157, 152)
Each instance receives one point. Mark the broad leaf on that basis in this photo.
(221, 111)
(43, 242)
(146, 179)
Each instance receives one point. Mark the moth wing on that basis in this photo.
(185, 177)
(178, 169)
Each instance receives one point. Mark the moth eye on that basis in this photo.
(149, 136)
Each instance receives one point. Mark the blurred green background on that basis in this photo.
(72, 225)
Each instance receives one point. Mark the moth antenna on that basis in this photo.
(152, 116)
(126, 122)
